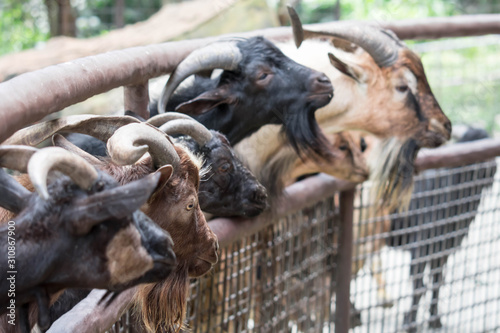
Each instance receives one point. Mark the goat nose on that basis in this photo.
(447, 126)
(321, 84)
(323, 78)
(259, 194)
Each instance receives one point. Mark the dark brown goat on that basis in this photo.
(95, 221)
(228, 187)
(174, 204)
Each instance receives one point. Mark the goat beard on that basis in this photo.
(162, 305)
(304, 134)
(392, 168)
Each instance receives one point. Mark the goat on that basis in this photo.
(173, 206)
(283, 168)
(458, 208)
(228, 188)
(95, 221)
(382, 89)
(259, 86)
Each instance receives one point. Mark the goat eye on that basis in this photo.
(343, 147)
(190, 206)
(363, 145)
(402, 88)
(262, 76)
(225, 167)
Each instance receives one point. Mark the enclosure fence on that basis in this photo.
(324, 261)
(431, 265)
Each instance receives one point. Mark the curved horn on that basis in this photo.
(100, 127)
(16, 157)
(131, 142)
(223, 55)
(174, 123)
(55, 158)
(381, 44)
(161, 119)
(188, 127)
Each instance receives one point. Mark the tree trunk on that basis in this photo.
(52, 16)
(119, 13)
(336, 11)
(67, 25)
(283, 12)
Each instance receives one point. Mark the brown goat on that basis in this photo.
(349, 162)
(174, 206)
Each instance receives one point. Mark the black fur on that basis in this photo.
(290, 97)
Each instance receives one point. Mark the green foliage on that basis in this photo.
(19, 28)
(98, 15)
(313, 11)
(466, 83)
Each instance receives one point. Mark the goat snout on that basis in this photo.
(320, 89)
(259, 194)
(320, 84)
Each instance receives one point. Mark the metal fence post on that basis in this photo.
(344, 260)
(137, 99)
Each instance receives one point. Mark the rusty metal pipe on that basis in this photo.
(136, 99)
(344, 263)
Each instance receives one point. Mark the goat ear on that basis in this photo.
(165, 173)
(351, 71)
(14, 196)
(116, 203)
(206, 101)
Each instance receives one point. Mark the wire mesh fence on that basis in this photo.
(278, 280)
(431, 266)
(434, 266)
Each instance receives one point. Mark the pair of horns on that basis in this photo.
(174, 123)
(139, 137)
(222, 55)
(39, 162)
(129, 143)
(382, 45)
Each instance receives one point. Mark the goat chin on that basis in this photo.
(391, 172)
(162, 305)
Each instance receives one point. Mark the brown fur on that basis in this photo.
(349, 162)
(164, 304)
(371, 104)
(194, 242)
(126, 255)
